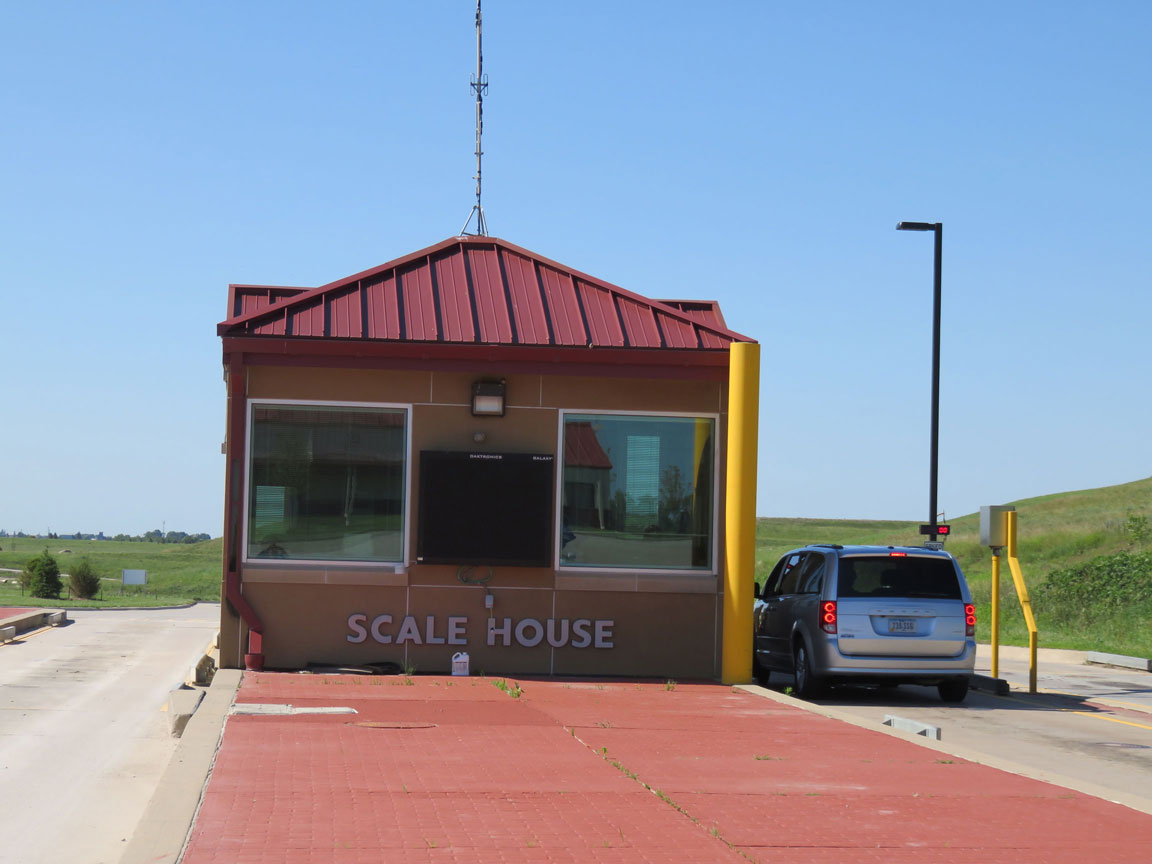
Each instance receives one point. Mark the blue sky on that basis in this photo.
(759, 154)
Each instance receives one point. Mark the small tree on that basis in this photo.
(43, 576)
(1137, 527)
(84, 581)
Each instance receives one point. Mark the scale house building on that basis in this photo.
(475, 449)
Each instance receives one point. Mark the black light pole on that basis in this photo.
(936, 228)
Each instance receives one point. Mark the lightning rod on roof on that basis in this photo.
(480, 87)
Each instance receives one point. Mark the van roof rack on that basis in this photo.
(827, 545)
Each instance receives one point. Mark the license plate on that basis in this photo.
(901, 625)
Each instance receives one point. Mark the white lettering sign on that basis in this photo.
(356, 625)
(456, 634)
(502, 632)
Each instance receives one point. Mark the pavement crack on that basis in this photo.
(714, 831)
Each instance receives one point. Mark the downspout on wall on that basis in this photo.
(234, 509)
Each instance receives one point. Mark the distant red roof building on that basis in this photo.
(582, 448)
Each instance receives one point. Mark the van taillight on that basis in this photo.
(969, 619)
(828, 616)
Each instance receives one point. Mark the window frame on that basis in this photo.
(611, 569)
(326, 563)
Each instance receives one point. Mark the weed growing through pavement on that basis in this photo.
(767, 758)
(789, 691)
(514, 690)
(669, 685)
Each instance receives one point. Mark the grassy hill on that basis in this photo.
(177, 572)
(1056, 532)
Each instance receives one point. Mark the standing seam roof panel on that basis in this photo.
(344, 315)
(527, 305)
(488, 289)
(275, 327)
(419, 303)
(383, 309)
(600, 311)
(708, 339)
(705, 312)
(567, 324)
(252, 298)
(677, 334)
(308, 320)
(250, 303)
(455, 299)
(640, 324)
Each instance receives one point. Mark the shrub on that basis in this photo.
(1100, 587)
(1137, 527)
(42, 576)
(84, 581)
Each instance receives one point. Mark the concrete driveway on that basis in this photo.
(83, 736)
(1088, 727)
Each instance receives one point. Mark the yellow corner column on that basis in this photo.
(740, 512)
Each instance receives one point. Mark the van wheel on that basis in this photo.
(953, 690)
(807, 684)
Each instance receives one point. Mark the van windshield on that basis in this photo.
(884, 576)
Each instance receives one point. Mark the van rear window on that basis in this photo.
(882, 576)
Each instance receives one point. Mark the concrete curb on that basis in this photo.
(1136, 802)
(29, 621)
(79, 607)
(160, 835)
(182, 704)
(989, 684)
(1143, 664)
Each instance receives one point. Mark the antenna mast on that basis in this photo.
(480, 87)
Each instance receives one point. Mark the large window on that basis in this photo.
(327, 482)
(637, 492)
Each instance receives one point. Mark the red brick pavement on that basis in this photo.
(12, 611)
(454, 769)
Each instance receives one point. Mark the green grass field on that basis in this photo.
(1056, 532)
(177, 572)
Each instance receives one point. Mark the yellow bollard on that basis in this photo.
(996, 613)
(740, 512)
(1025, 602)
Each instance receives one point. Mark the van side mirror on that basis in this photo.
(756, 590)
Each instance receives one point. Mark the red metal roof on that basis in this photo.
(476, 290)
(582, 447)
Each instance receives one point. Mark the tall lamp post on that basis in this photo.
(936, 228)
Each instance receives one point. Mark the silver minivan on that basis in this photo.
(868, 614)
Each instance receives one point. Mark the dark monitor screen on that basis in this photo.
(485, 508)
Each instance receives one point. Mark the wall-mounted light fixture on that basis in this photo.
(488, 398)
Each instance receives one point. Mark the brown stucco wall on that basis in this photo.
(663, 626)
